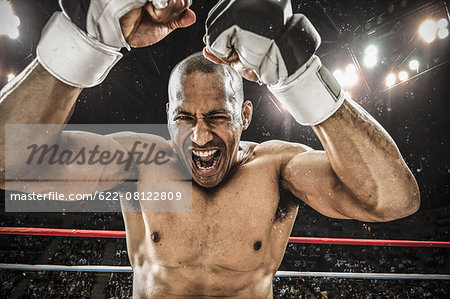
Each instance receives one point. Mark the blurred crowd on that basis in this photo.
(47, 284)
(332, 288)
(298, 257)
(18, 249)
(22, 249)
(121, 253)
(345, 258)
(119, 286)
(8, 279)
(78, 251)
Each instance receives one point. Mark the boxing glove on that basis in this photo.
(81, 44)
(279, 47)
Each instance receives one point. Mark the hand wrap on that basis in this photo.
(279, 47)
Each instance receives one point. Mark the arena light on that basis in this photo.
(390, 80)
(442, 30)
(350, 68)
(414, 65)
(403, 75)
(11, 76)
(442, 23)
(339, 75)
(442, 33)
(350, 76)
(428, 30)
(347, 78)
(8, 20)
(371, 56)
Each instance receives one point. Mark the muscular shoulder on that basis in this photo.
(281, 150)
(275, 154)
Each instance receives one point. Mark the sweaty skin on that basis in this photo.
(233, 241)
(231, 244)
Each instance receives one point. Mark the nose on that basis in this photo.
(201, 134)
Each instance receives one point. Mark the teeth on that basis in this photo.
(204, 153)
(206, 168)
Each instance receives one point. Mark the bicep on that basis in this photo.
(310, 177)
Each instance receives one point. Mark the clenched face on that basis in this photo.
(205, 124)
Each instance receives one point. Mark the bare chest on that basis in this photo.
(230, 227)
(235, 218)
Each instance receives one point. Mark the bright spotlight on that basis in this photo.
(414, 65)
(339, 75)
(11, 76)
(371, 50)
(350, 68)
(390, 80)
(350, 76)
(13, 33)
(8, 20)
(371, 56)
(428, 30)
(442, 23)
(15, 21)
(403, 76)
(442, 33)
(370, 61)
(350, 79)
(347, 78)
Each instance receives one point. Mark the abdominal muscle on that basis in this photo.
(205, 281)
(192, 263)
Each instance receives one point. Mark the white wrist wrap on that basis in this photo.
(311, 95)
(73, 57)
(160, 4)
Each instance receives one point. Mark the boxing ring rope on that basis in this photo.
(304, 240)
(308, 240)
(127, 269)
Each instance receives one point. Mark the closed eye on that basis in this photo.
(184, 117)
(218, 117)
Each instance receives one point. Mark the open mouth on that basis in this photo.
(206, 161)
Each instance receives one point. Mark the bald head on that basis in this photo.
(197, 63)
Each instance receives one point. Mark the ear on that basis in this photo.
(247, 113)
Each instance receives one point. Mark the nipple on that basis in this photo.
(155, 237)
(257, 245)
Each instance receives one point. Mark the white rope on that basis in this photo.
(99, 268)
(362, 275)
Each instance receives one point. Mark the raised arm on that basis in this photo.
(69, 60)
(33, 97)
(362, 174)
(368, 163)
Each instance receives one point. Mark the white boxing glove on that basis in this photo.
(279, 47)
(80, 45)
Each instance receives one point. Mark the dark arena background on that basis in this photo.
(393, 65)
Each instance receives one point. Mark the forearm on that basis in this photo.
(35, 97)
(367, 161)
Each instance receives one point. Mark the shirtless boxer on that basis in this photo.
(232, 243)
